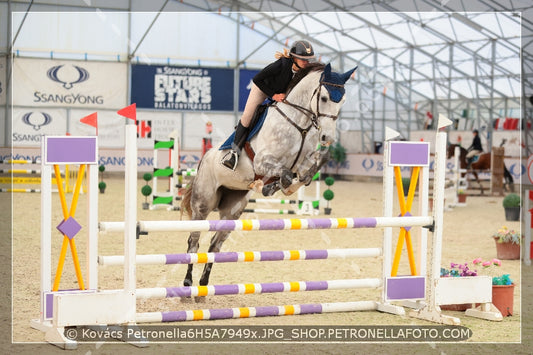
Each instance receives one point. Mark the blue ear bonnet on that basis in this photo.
(336, 93)
(336, 82)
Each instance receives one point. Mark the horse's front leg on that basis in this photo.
(269, 168)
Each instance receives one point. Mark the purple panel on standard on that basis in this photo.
(272, 255)
(316, 254)
(221, 225)
(174, 316)
(409, 153)
(69, 227)
(71, 150)
(271, 224)
(49, 313)
(406, 287)
(178, 259)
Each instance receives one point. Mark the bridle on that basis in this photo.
(312, 116)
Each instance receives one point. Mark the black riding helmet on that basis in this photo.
(303, 50)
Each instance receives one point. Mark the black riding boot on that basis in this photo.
(232, 157)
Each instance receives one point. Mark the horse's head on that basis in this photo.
(330, 97)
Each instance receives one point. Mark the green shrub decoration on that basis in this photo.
(511, 200)
(101, 168)
(102, 185)
(329, 181)
(328, 195)
(147, 177)
(146, 190)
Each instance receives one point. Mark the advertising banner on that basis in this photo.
(30, 124)
(61, 83)
(182, 88)
(245, 85)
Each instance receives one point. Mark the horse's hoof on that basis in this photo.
(270, 189)
(286, 179)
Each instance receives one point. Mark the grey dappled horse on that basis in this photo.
(286, 155)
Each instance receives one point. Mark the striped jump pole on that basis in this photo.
(249, 312)
(20, 190)
(284, 224)
(255, 288)
(269, 210)
(246, 256)
(272, 224)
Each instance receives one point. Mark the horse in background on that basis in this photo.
(284, 155)
(482, 163)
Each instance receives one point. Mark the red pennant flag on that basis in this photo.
(129, 112)
(91, 120)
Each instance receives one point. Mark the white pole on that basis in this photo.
(388, 200)
(130, 211)
(527, 228)
(438, 207)
(92, 221)
(46, 225)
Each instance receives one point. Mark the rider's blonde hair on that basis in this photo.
(285, 54)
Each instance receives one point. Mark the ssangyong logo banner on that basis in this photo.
(30, 124)
(58, 83)
(182, 88)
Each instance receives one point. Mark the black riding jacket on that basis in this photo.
(476, 144)
(275, 77)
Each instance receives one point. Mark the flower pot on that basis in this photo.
(512, 213)
(507, 251)
(456, 307)
(102, 190)
(502, 298)
(146, 205)
(461, 198)
(327, 210)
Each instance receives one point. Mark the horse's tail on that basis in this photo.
(186, 199)
(185, 205)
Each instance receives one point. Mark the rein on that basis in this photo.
(309, 114)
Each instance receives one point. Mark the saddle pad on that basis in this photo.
(227, 144)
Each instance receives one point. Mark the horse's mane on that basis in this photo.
(300, 74)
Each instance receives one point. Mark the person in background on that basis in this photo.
(474, 149)
(271, 82)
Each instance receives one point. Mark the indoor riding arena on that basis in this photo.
(354, 221)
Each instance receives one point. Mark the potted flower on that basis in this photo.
(461, 196)
(502, 285)
(507, 243)
(511, 204)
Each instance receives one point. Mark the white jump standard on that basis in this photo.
(423, 288)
